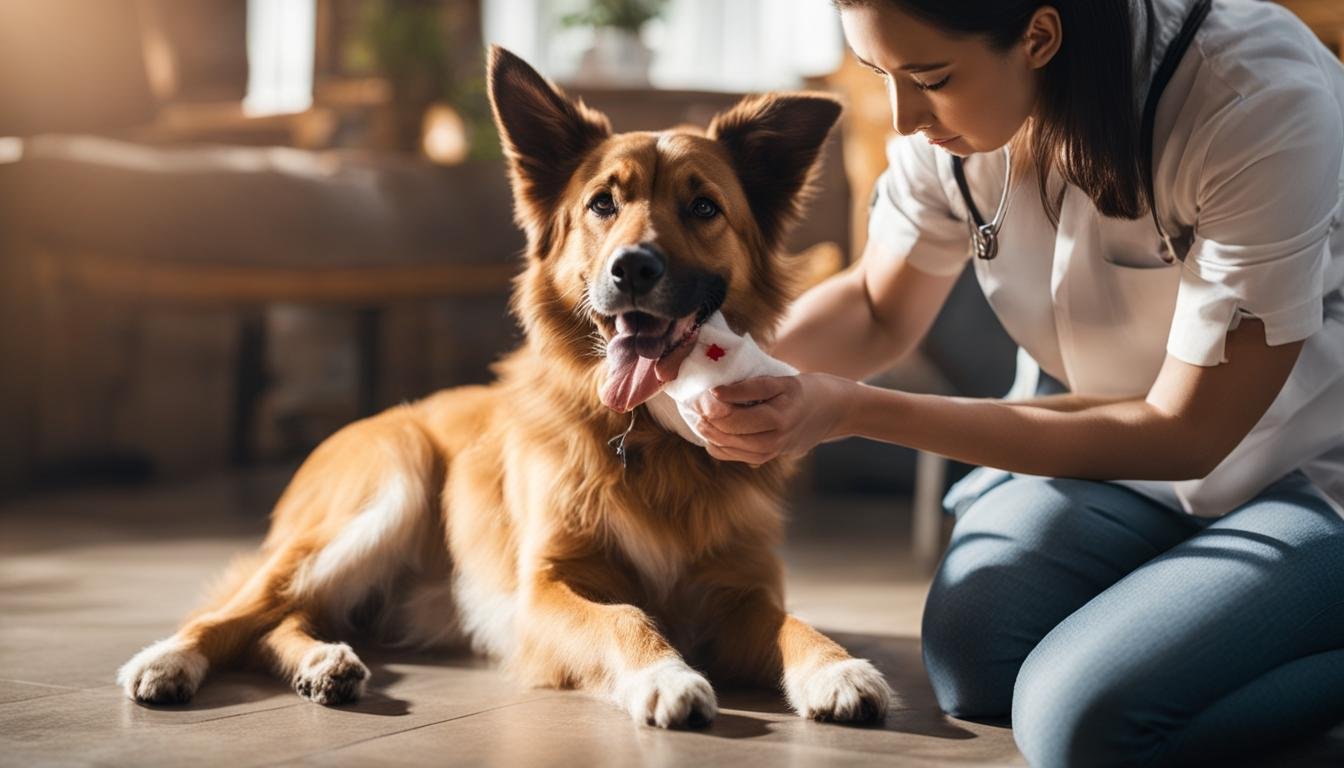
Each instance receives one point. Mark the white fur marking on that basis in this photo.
(842, 691)
(369, 550)
(166, 672)
(667, 694)
(487, 616)
(659, 565)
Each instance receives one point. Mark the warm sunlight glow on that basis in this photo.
(445, 135)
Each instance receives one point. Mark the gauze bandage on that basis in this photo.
(719, 357)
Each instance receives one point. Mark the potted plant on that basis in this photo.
(618, 56)
(430, 53)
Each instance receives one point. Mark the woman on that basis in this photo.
(1156, 573)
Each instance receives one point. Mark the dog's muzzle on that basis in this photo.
(655, 307)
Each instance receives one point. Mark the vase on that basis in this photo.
(617, 58)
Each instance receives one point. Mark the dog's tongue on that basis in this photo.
(632, 361)
(631, 379)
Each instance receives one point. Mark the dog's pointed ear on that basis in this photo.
(774, 141)
(544, 134)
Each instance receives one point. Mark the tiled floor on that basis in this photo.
(87, 578)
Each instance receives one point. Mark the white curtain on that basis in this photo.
(728, 45)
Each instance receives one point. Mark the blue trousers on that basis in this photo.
(1116, 631)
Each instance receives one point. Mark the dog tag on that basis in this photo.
(618, 442)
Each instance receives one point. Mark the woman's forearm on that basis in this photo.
(1067, 402)
(1127, 439)
(831, 329)
(864, 320)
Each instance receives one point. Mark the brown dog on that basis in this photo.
(500, 515)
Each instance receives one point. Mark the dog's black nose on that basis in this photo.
(635, 269)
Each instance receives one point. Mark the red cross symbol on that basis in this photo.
(714, 352)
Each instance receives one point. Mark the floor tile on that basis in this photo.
(17, 690)
(88, 578)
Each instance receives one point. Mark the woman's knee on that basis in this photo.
(971, 673)
(1067, 711)
(999, 589)
(977, 625)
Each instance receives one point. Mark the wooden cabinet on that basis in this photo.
(1325, 17)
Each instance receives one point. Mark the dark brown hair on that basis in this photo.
(1086, 122)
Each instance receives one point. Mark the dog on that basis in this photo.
(500, 516)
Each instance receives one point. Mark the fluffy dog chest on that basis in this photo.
(655, 551)
(667, 543)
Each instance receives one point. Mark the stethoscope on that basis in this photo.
(985, 234)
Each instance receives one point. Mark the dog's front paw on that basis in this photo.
(166, 672)
(668, 694)
(331, 673)
(843, 691)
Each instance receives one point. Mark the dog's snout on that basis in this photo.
(635, 269)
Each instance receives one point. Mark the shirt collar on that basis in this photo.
(1168, 16)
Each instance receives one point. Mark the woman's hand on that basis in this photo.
(759, 419)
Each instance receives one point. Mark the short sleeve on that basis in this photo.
(1268, 198)
(910, 216)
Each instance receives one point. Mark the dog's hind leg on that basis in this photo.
(358, 515)
(326, 673)
(249, 601)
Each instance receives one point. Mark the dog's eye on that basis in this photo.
(704, 208)
(603, 205)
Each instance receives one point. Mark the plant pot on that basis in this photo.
(617, 58)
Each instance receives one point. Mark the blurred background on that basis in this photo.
(228, 227)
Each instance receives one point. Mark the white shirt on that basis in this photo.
(1249, 141)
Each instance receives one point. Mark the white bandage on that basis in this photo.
(720, 357)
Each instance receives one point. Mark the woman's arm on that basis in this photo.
(867, 318)
(1190, 420)
(863, 320)
(1068, 402)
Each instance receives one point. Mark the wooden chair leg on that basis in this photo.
(927, 529)
(368, 329)
(250, 382)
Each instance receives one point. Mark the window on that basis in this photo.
(280, 40)
(730, 45)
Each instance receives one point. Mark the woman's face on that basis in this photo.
(958, 92)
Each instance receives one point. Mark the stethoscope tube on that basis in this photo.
(985, 235)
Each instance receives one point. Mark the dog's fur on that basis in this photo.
(501, 517)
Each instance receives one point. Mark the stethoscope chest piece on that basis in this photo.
(985, 241)
(985, 234)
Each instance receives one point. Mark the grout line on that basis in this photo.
(44, 685)
(242, 713)
(418, 727)
(54, 694)
(248, 712)
(187, 708)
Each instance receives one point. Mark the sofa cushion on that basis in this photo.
(273, 206)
